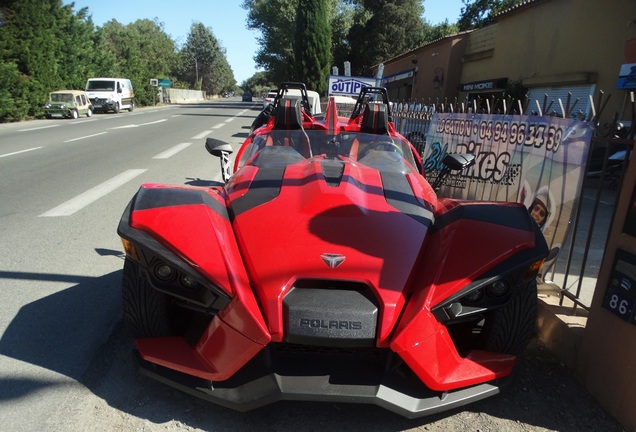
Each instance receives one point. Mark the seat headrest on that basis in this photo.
(375, 119)
(288, 115)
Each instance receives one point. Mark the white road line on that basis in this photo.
(220, 125)
(82, 122)
(173, 151)
(137, 125)
(21, 151)
(79, 202)
(37, 128)
(201, 135)
(84, 137)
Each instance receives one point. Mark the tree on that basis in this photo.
(45, 47)
(312, 44)
(480, 13)
(439, 31)
(258, 84)
(138, 51)
(204, 62)
(342, 16)
(393, 27)
(274, 19)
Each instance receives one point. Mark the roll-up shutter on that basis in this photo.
(581, 92)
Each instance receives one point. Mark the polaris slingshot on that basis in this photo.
(326, 268)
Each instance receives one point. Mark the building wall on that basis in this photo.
(541, 44)
(443, 56)
(556, 43)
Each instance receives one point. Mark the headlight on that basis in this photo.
(499, 288)
(164, 272)
(62, 106)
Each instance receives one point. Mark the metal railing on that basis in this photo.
(575, 271)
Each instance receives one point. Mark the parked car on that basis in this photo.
(269, 98)
(111, 94)
(327, 268)
(247, 97)
(68, 104)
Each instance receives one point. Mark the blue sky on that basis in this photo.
(226, 19)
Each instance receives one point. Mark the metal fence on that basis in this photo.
(575, 271)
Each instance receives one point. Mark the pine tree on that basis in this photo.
(312, 44)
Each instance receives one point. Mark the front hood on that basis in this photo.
(100, 95)
(59, 105)
(328, 220)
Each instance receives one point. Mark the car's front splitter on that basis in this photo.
(382, 380)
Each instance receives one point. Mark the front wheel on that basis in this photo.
(506, 330)
(146, 311)
(132, 106)
(513, 325)
(74, 114)
(116, 107)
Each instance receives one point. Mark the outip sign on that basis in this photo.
(347, 85)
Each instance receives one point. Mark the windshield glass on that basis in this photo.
(283, 147)
(101, 85)
(61, 97)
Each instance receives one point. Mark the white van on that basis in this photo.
(110, 94)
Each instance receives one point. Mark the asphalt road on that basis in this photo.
(65, 362)
(65, 184)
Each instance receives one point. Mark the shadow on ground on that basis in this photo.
(59, 332)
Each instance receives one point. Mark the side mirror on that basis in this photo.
(222, 150)
(453, 162)
(459, 161)
(217, 147)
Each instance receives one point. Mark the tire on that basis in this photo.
(89, 112)
(146, 311)
(132, 106)
(513, 325)
(74, 114)
(116, 107)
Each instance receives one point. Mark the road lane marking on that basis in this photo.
(201, 135)
(173, 151)
(21, 151)
(79, 202)
(137, 125)
(84, 137)
(82, 121)
(220, 125)
(37, 128)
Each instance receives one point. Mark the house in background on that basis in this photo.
(540, 47)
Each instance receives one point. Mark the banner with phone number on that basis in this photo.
(537, 161)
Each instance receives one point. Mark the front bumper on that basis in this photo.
(103, 104)
(288, 372)
(57, 113)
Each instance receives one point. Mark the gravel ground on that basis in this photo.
(544, 396)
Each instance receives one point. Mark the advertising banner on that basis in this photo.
(537, 161)
(347, 85)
